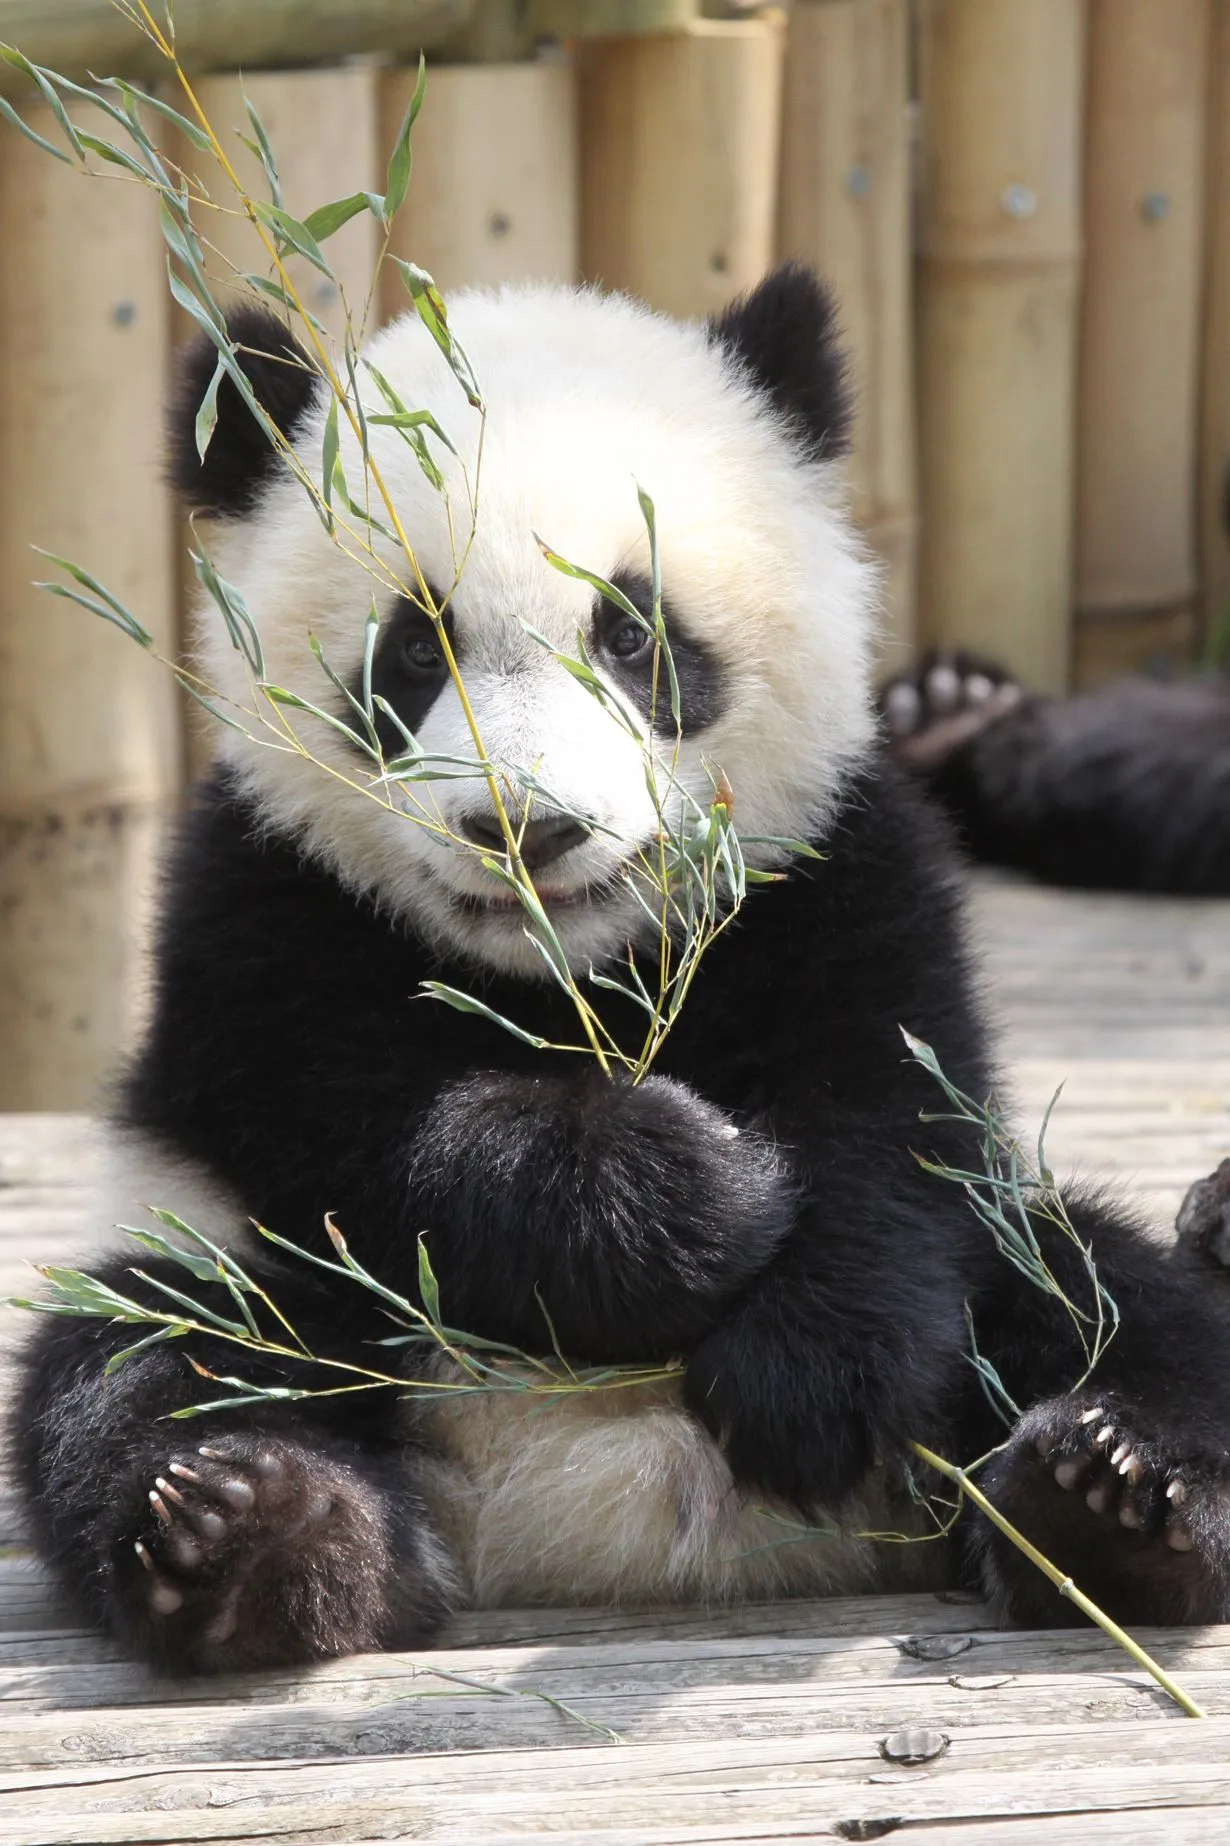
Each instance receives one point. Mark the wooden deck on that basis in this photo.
(773, 1723)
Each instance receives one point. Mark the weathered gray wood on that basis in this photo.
(759, 1724)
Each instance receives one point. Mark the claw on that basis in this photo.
(1124, 1449)
(144, 1555)
(1103, 1437)
(168, 1491)
(1093, 1416)
(160, 1507)
(185, 1473)
(1132, 1468)
(213, 1454)
(1176, 1493)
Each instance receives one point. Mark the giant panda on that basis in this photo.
(756, 1211)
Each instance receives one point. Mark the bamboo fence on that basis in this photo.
(1024, 206)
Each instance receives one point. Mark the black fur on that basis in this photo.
(1126, 788)
(784, 335)
(397, 679)
(812, 1274)
(698, 672)
(240, 458)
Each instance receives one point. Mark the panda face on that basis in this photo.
(766, 598)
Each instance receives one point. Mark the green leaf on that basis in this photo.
(20, 62)
(326, 219)
(428, 1287)
(330, 449)
(397, 179)
(105, 605)
(265, 285)
(157, 1338)
(262, 150)
(207, 412)
(242, 629)
(290, 232)
(434, 316)
(116, 157)
(465, 1003)
(10, 114)
(142, 99)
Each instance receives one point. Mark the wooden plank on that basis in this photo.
(279, 1801)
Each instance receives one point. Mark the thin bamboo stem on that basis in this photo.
(1064, 1584)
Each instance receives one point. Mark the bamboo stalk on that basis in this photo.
(1000, 88)
(1214, 468)
(1064, 1584)
(844, 208)
(494, 193)
(679, 136)
(1140, 318)
(89, 739)
(78, 37)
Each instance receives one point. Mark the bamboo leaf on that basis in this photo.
(397, 179)
(10, 114)
(262, 150)
(466, 1003)
(291, 232)
(207, 412)
(434, 316)
(428, 1286)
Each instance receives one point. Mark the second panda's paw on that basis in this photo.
(1137, 1512)
(944, 701)
(1203, 1223)
(259, 1551)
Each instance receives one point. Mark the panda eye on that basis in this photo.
(423, 655)
(628, 640)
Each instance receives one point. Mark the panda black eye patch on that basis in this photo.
(626, 651)
(409, 670)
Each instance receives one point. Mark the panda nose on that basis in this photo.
(542, 841)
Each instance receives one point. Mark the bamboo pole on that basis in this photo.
(845, 208)
(1135, 534)
(1214, 472)
(493, 196)
(322, 126)
(679, 136)
(89, 742)
(1000, 87)
(78, 37)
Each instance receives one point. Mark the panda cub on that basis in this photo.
(754, 1210)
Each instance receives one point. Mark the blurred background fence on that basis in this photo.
(1024, 206)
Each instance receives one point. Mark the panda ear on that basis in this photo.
(239, 457)
(783, 335)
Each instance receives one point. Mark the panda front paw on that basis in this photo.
(256, 1551)
(1136, 1511)
(787, 1424)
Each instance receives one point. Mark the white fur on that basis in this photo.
(587, 397)
(621, 1496)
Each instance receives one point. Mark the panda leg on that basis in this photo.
(241, 1539)
(1124, 1483)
